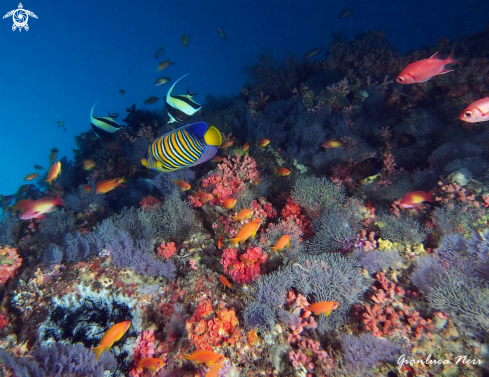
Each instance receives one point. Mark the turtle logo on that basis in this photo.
(20, 17)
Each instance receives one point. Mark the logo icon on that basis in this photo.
(20, 17)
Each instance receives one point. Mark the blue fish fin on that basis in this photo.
(198, 129)
(209, 152)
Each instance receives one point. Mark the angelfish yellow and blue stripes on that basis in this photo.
(189, 145)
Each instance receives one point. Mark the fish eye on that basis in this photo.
(468, 114)
(400, 79)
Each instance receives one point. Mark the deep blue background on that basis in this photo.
(80, 52)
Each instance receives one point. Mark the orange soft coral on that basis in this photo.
(9, 263)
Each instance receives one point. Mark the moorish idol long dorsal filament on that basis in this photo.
(180, 107)
(103, 126)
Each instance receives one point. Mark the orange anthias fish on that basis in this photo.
(414, 198)
(88, 164)
(151, 363)
(87, 188)
(111, 336)
(54, 171)
(243, 214)
(247, 261)
(217, 159)
(224, 280)
(37, 209)
(246, 146)
(103, 187)
(323, 307)
(30, 177)
(284, 241)
(477, 111)
(207, 357)
(333, 144)
(263, 143)
(424, 70)
(283, 172)
(229, 203)
(247, 231)
(220, 241)
(53, 154)
(227, 144)
(253, 337)
(214, 371)
(182, 185)
(204, 196)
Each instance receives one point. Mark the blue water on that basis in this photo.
(77, 53)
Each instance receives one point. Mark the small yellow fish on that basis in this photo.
(111, 336)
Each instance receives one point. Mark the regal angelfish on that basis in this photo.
(186, 146)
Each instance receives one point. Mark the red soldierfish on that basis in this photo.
(477, 111)
(424, 70)
(414, 198)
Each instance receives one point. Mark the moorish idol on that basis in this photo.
(186, 146)
(103, 126)
(181, 107)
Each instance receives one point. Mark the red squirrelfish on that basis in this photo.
(477, 111)
(283, 172)
(247, 231)
(229, 203)
(30, 177)
(103, 187)
(37, 209)
(224, 280)
(333, 144)
(111, 336)
(54, 171)
(207, 357)
(182, 185)
(243, 214)
(323, 307)
(413, 199)
(263, 143)
(151, 363)
(424, 70)
(284, 241)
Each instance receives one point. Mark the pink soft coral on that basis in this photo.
(9, 263)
